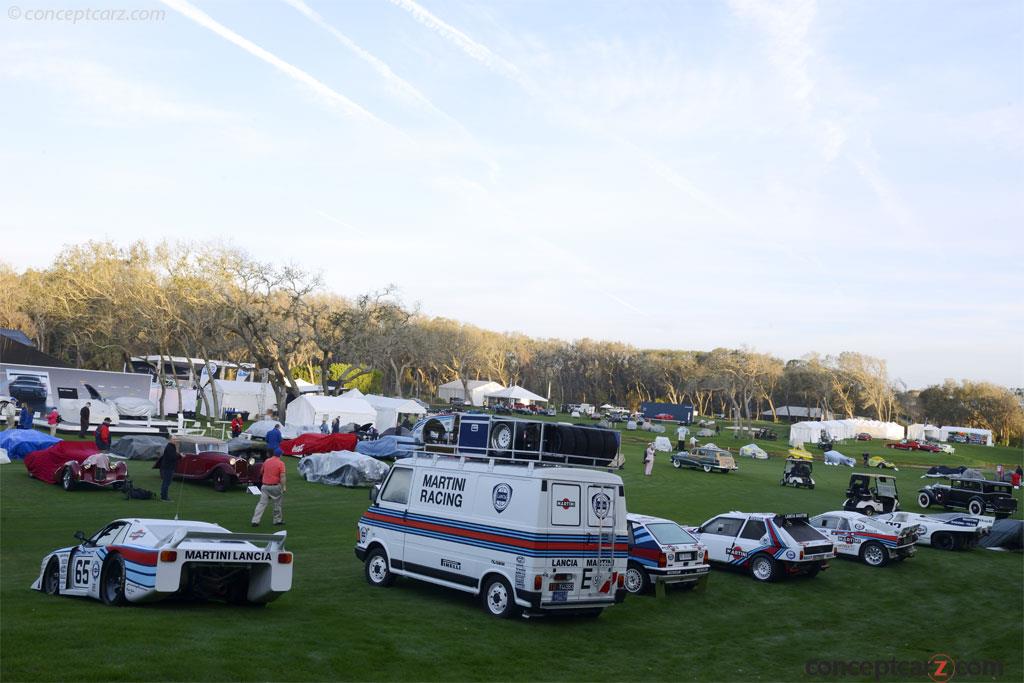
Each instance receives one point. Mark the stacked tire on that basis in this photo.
(574, 445)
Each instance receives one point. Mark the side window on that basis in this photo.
(842, 524)
(397, 488)
(107, 535)
(753, 530)
(121, 534)
(723, 526)
(826, 523)
(629, 527)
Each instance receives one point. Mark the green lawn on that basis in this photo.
(333, 626)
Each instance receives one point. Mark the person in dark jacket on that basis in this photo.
(336, 425)
(83, 415)
(26, 417)
(274, 440)
(103, 435)
(168, 462)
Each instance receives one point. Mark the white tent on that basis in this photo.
(810, 432)
(515, 394)
(311, 410)
(388, 409)
(307, 387)
(942, 433)
(478, 388)
(255, 398)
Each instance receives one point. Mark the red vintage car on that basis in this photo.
(863, 436)
(73, 464)
(904, 445)
(207, 459)
(930, 447)
(664, 416)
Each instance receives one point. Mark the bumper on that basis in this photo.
(902, 551)
(537, 604)
(688, 575)
(360, 553)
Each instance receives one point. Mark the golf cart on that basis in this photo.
(797, 473)
(871, 494)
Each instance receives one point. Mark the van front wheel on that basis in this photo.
(499, 600)
(378, 573)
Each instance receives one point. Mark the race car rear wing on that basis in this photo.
(273, 541)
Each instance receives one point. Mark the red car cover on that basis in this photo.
(44, 464)
(304, 444)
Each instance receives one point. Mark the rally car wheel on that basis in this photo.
(868, 511)
(221, 481)
(943, 541)
(68, 480)
(707, 468)
(499, 601)
(678, 465)
(636, 581)
(924, 500)
(51, 578)
(874, 554)
(763, 567)
(378, 573)
(112, 585)
(976, 506)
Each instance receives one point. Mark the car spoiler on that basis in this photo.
(273, 541)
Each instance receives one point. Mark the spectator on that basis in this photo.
(168, 462)
(649, 459)
(26, 417)
(693, 442)
(83, 416)
(11, 413)
(103, 435)
(681, 432)
(274, 440)
(324, 429)
(274, 486)
(52, 419)
(1016, 477)
(336, 425)
(236, 426)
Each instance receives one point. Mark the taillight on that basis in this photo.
(621, 581)
(537, 582)
(801, 553)
(284, 558)
(168, 555)
(662, 560)
(705, 557)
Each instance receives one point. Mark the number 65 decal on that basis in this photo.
(82, 570)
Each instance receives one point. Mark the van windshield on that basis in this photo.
(670, 533)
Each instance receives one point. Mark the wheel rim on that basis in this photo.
(112, 585)
(497, 598)
(707, 468)
(633, 580)
(676, 464)
(503, 438)
(52, 578)
(975, 508)
(378, 569)
(874, 555)
(67, 479)
(868, 511)
(762, 569)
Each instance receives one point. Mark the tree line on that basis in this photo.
(97, 304)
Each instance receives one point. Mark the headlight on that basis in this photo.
(252, 461)
(232, 461)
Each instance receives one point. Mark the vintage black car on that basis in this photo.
(977, 496)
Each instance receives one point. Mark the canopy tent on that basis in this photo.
(255, 398)
(307, 387)
(478, 388)
(311, 410)
(388, 409)
(514, 394)
(810, 432)
(974, 435)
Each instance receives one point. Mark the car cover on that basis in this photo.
(305, 444)
(704, 433)
(130, 406)
(243, 446)
(45, 465)
(944, 471)
(837, 458)
(139, 447)
(20, 442)
(968, 473)
(259, 429)
(1007, 534)
(342, 468)
(752, 450)
(388, 447)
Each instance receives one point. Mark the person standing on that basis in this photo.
(681, 432)
(336, 425)
(11, 413)
(274, 440)
(52, 419)
(649, 459)
(83, 417)
(103, 435)
(324, 429)
(274, 486)
(26, 417)
(693, 442)
(236, 426)
(168, 463)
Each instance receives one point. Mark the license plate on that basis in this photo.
(684, 557)
(559, 596)
(565, 586)
(676, 571)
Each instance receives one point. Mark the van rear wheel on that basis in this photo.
(499, 600)
(378, 572)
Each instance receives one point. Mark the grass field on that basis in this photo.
(333, 626)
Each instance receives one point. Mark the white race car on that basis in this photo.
(948, 531)
(142, 560)
(869, 539)
(766, 544)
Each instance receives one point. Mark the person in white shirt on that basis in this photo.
(681, 432)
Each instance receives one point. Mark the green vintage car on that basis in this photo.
(709, 458)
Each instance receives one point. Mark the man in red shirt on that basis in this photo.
(236, 425)
(274, 486)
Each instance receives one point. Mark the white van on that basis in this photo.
(526, 537)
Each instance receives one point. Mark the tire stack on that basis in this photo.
(574, 445)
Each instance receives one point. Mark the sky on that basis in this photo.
(786, 176)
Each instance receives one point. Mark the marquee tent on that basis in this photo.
(311, 410)
(810, 432)
(927, 431)
(514, 394)
(255, 398)
(388, 409)
(478, 388)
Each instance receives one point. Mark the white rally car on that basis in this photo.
(869, 539)
(142, 560)
(946, 531)
(662, 551)
(767, 544)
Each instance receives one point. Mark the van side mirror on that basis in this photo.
(374, 492)
(80, 536)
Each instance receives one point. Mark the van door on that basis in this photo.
(393, 504)
(601, 522)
